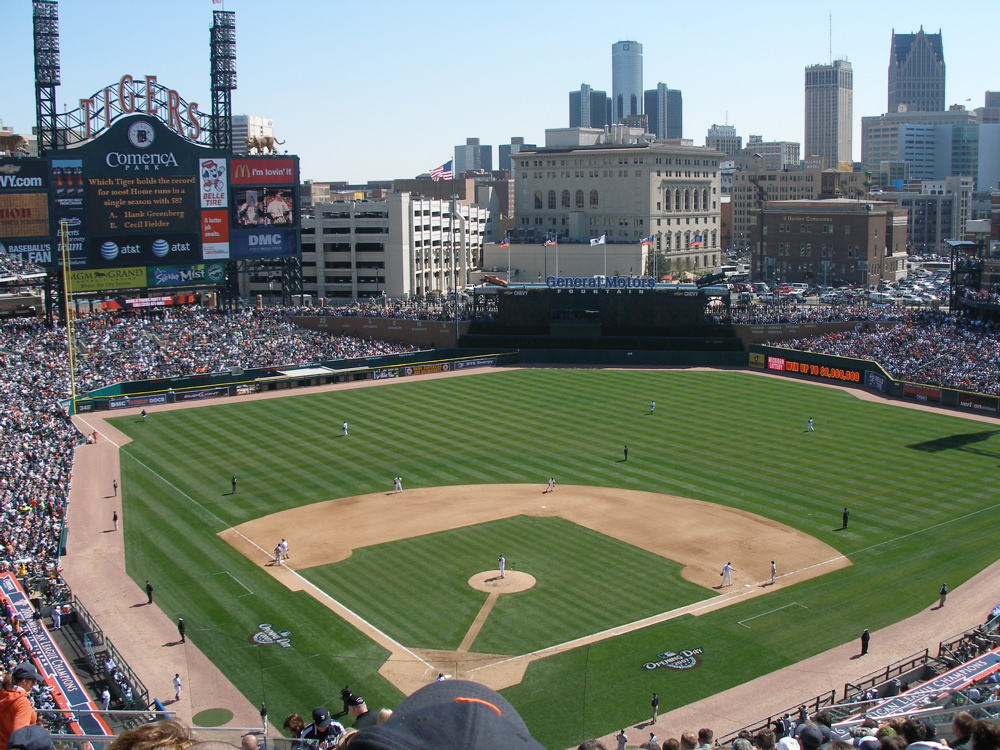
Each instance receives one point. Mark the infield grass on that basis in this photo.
(920, 486)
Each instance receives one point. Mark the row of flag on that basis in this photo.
(698, 241)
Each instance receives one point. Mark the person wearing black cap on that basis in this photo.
(809, 737)
(453, 713)
(181, 629)
(16, 711)
(149, 593)
(865, 638)
(362, 716)
(324, 730)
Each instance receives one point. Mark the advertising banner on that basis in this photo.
(126, 402)
(263, 170)
(196, 274)
(215, 235)
(919, 393)
(214, 193)
(465, 364)
(202, 394)
(986, 404)
(109, 280)
(876, 380)
(264, 243)
(24, 210)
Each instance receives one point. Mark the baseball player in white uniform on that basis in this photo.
(551, 485)
(398, 481)
(284, 549)
(727, 574)
(503, 564)
(345, 429)
(774, 572)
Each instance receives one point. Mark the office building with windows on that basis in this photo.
(664, 110)
(829, 97)
(624, 192)
(723, 138)
(402, 246)
(916, 72)
(626, 79)
(589, 108)
(473, 157)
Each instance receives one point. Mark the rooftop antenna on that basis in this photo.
(831, 39)
(727, 117)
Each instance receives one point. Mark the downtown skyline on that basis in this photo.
(363, 94)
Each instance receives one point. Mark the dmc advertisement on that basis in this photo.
(268, 243)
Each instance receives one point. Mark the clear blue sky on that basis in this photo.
(381, 90)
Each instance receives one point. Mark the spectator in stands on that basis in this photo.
(362, 716)
(742, 743)
(671, 743)
(986, 735)
(962, 726)
(450, 714)
(31, 737)
(809, 737)
(705, 738)
(157, 735)
(592, 745)
(323, 730)
(689, 741)
(16, 709)
(764, 740)
(294, 724)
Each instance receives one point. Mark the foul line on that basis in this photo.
(252, 543)
(226, 572)
(793, 604)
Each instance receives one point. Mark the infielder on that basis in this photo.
(727, 574)
(398, 481)
(774, 572)
(277, 555)
(503, 564)
(284, 549)
(551, 485)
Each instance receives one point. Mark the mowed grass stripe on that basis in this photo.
(732, 438)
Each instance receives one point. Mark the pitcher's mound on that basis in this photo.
(512, 582)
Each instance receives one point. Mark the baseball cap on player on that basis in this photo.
(321, 717)
(452, 713)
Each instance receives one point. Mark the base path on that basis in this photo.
(700, 536)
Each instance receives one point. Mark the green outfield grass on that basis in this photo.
(920, 487)
(574, 569)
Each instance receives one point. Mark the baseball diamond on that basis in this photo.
(624, 557)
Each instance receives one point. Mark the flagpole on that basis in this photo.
(508, 260)
(605, 243)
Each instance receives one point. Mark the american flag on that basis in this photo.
(697, 241)
(444, 172)
(647, 240)
(550, 241)
(505, 242)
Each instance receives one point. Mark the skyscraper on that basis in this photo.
(723, 138)
(664, 112)
(589, 108)
(472, 157)
(916, 72)
(828, 116)
(626, 79)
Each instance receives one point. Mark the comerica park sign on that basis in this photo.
(600, 282)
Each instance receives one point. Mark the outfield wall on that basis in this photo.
(427, 334)
(865, 374)
(141, 393)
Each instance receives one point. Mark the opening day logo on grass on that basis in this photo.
(675, 660)
(268, 636)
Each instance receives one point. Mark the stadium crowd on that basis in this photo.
(13, 265)
(754, 314)
(931, 348)
(123, 345)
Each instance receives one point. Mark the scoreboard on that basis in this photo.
(144, 207)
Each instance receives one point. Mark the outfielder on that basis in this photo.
(345, 429)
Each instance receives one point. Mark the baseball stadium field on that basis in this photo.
(609, 579)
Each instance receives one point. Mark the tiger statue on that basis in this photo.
(263, 144)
